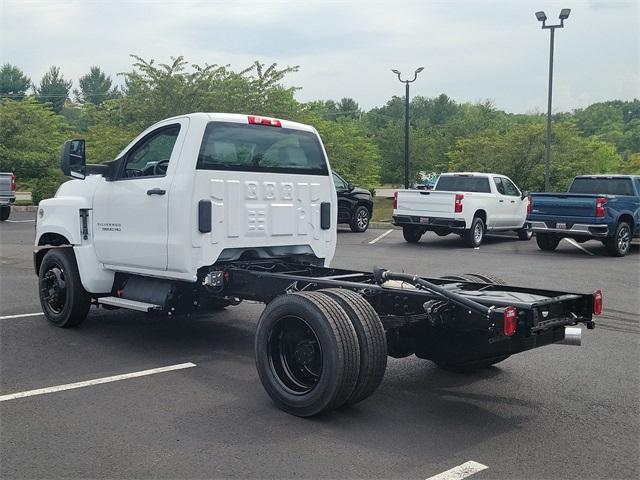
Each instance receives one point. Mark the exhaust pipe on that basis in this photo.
(572, 336)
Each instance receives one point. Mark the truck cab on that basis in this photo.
(189, 192)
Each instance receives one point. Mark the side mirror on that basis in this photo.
(524, 195)
(350, 187)
(72, 159)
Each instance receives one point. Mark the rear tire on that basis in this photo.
(360, 220)
(64, 300)
(547, 241)
(307, 353)
(372, 341)
(620, 243)
(412, 234)
(474, 235)
(5, 211)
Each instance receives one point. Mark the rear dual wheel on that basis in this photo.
(317, 351)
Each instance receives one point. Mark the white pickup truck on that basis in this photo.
(469, 204)
(7, 194)
(205, 210)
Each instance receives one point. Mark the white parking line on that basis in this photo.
(380, 237)
(461, 471)
(576, 244)
(20, 221)
(22, 315)
(97, 381)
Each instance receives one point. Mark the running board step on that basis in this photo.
(129, 304)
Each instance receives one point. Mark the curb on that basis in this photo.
(24, 208)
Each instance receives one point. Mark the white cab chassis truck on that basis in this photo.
(467, 203)
(204, 210)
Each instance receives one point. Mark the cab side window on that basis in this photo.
(509, 188)
(339, 183)
(499, 185)
(150, 156)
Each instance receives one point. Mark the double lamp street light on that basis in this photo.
(542, 17)
(564, 14)
(406, 121)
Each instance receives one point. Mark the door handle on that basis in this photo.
(501, 201)
(513, 201)
(156, 191)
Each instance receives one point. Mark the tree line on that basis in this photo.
(366, 147)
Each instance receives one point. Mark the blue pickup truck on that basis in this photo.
(596, 207)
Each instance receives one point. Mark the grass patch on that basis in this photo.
(23, 203)
(382, 209)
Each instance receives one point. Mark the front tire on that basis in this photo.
(64, 301)
(5, 211)
(473, 236)
(307, 353)
(412, 234)
(525, 233)
(547, 242)
(360, 220)
(620, 243)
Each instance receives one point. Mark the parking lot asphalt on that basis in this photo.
(554, 412)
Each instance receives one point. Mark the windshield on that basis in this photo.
(259, 148)
(460, 183)
(602, 186)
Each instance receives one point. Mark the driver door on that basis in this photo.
(130, 212)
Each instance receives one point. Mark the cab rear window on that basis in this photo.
(260, 148)
(602, 186)
(459, 183)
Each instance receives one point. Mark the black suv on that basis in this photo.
(355, 205)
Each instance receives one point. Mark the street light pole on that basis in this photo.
(564, 14)
(406, 122)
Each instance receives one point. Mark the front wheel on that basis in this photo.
(5, 211)
(546, 241)
(64, 301)
(360, 220)
(412, 234)
(619, 244)
(473, 236)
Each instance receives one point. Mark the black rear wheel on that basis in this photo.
(412, 234)
(620, 243)
(307, 353)
(525, 233)
(372, 341)
(474, 235)
(64, 301)
(5, 211)
(547, 241)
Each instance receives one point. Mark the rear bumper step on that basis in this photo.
(434, 222)
(576, 228)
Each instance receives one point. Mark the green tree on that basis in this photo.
(31, 136)
(348, 108)
(53, 89)
(95, 87)
(13, 82)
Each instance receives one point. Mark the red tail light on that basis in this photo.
(395, 200)
(13, 182)
(529, 205)
(509, 321)
(270, 122)
(458, 203)
(597, 302)
(600, 201)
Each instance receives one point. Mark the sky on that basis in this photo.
(470, 50)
